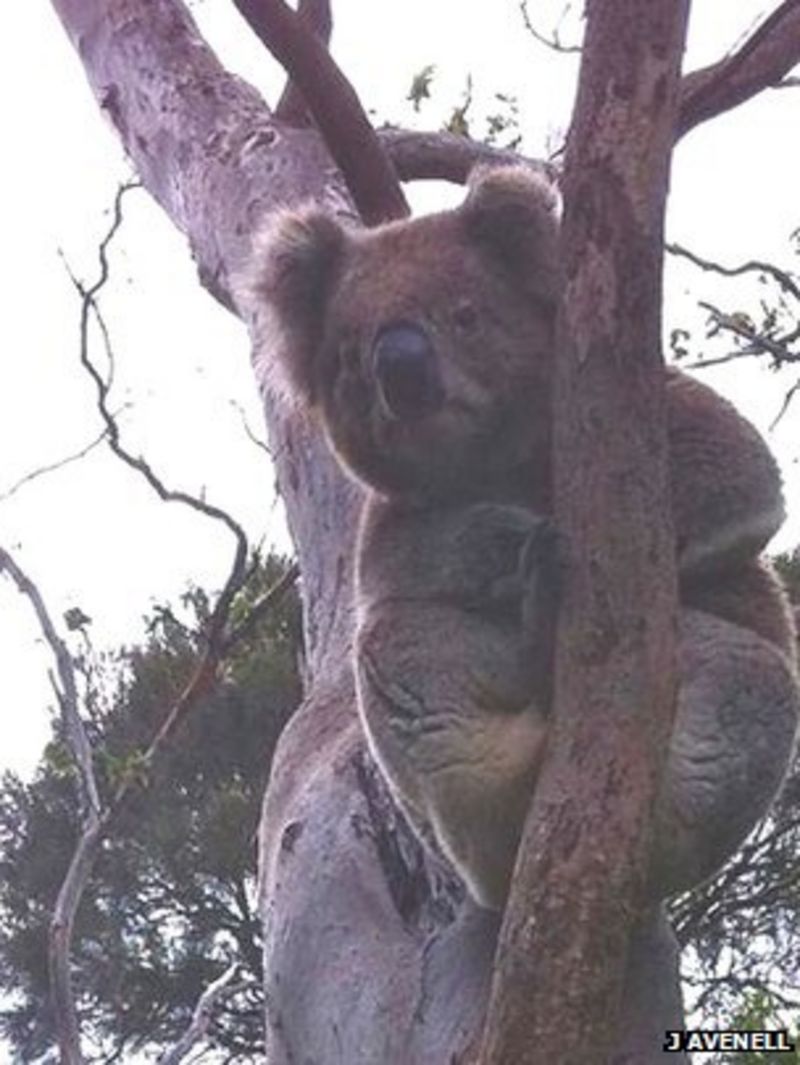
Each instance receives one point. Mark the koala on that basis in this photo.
(425, 349)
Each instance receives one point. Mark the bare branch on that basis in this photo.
(787, 402)
(260, 444)
(98, 820)
(53, 466)
(333, 102)
(761, 62)
(88, 296)
(203, 1014)
(445, 156)
(555, 43)
(783, 278)
(757, 343)
(261, 606)
(291, 108)
(69, 895)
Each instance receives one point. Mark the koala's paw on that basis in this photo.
(486, 546)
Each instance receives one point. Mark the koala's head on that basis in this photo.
(424, 345)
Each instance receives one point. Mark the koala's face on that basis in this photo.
(425, 345)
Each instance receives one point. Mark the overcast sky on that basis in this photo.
(91, 534)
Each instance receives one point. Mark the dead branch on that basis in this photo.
(217, 643)
(756, 266)
(52, 467)
(69, 895)
(259, 609)
(757, 343)
(262, 445)
(554, 42)
(291, 108)
(337, 111)
(223, 987)
(89, 307)
(761, 62)
(439, 156)
(787, 402)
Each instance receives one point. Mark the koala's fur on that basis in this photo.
(425, 347)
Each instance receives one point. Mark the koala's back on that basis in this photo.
(726, 488)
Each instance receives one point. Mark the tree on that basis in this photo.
(332, 846)
(172, 895)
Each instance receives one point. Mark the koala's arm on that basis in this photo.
(453, 701)
(481, 557)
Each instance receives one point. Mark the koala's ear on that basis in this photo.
(513, 214)
(294, 264)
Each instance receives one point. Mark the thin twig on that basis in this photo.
(203, 1014)
(757, 343)
(262, 445)
(52, 467)
(757, 266)
(787, 401)
(554, 43)
(257, 611)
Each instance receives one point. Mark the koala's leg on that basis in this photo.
(732, 743)
(448, 705)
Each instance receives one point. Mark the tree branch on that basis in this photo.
(203, 1014)
(69, 895)
(761, 62)
(333, 102)
(554, 43)
(291, 108)
(441, 156)
(58, 465)
(218, 641)
(782, 277)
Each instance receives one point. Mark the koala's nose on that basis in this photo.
(407, 371)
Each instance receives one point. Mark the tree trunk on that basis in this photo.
(373, 953)
(577, 894)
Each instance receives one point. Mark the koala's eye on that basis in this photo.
(407, 371)
(465, 317)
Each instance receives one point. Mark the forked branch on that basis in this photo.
(761, 62)
(336, 108)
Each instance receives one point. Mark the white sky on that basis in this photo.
(91, 535)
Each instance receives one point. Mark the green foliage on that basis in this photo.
(171, 899)
(759, 1012)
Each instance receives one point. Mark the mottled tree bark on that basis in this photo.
(577, 895)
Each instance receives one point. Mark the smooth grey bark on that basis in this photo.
(372, 951)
